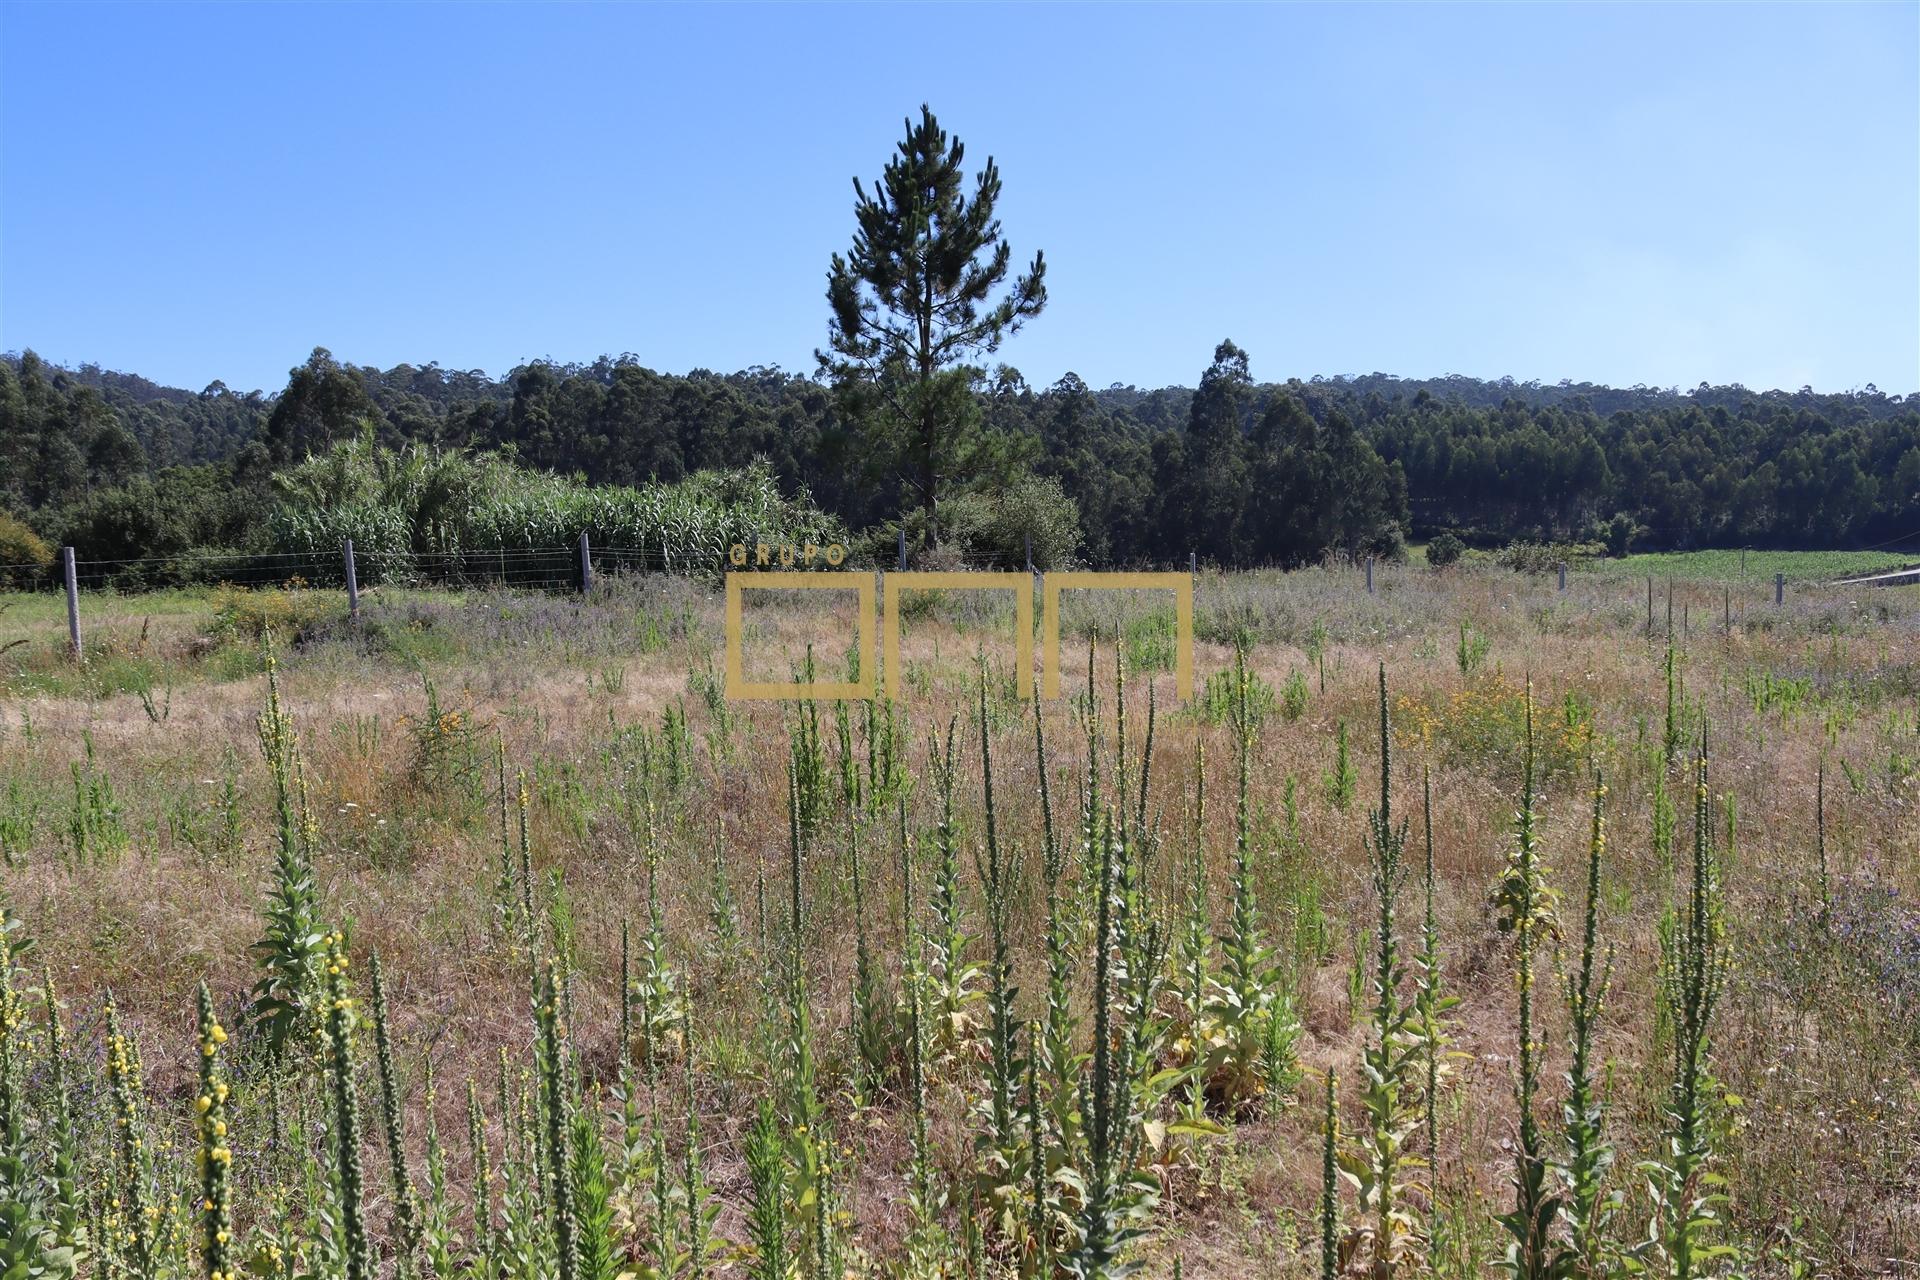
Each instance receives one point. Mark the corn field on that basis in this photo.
(1451, 932)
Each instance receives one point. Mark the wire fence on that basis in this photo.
(582, 566)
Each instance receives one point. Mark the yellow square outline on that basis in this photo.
(1020, 584)
(1181, 584)
(740, 688)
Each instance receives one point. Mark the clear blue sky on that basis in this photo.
(1618, 194)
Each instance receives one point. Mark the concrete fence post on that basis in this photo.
(1563, 575)
(1369, 575)
(586, 564)
(1779, 588)
(73, 601)
(353, 581)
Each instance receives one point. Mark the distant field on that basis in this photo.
(1732, 565)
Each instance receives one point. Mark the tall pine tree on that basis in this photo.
(915, 304)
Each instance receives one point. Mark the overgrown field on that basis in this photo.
(1465, 928)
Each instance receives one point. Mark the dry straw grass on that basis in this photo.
(1815, 1118)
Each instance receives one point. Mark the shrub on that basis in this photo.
(1619, 533)
(289, 612)
(24, 556)
(1445, 550)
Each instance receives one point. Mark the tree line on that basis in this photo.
(1240, 471)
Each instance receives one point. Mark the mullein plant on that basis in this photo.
(292, 947)
(927, 1244)
(1002, 1143)
(696, 1197)
(952, 982)
(876, 1031)
(68, 1206)
(485, 1257)
(35, 1238)
(1106, 1100)
(136, 1245)
(356, 1249)
(216, 1151)
(556, 1168)
(1332, 1255)
(1679, 1181)
(1588, 1207)
(1383, 1162)
(1526, 907)
(767, 1209)
(813, 1191)
(1252, 1029)
(440, 1243)
(406, 1200)
(1193, 978)
(1431, 1004)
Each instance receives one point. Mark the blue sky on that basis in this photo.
(1623, 194)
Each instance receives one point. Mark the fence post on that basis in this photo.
(1726, 609)
(903, 548)
(1649, 606)
(353, 583)
(1029, 553)
(73, 601)
(586, 564)
(1369, 575)
(1563, 575)
(1779, 588)
(1193, 564)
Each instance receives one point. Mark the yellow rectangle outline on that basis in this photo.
(1020, 584)
(739, 687)
(1181, 584)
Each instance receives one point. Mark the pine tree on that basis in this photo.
(913, 302)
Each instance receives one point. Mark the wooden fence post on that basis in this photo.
(1369, 575)
(1563, 575)
(1779, 588)
(586, 564)
(353, 583)
(73, 602)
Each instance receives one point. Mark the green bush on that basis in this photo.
(1619, 535)
(24, 556)
(288, 612)
(1445, 550)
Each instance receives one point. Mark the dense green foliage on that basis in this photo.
(1243, 472)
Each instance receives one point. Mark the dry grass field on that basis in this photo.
(673, 986)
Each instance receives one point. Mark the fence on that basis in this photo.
(575, 568)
